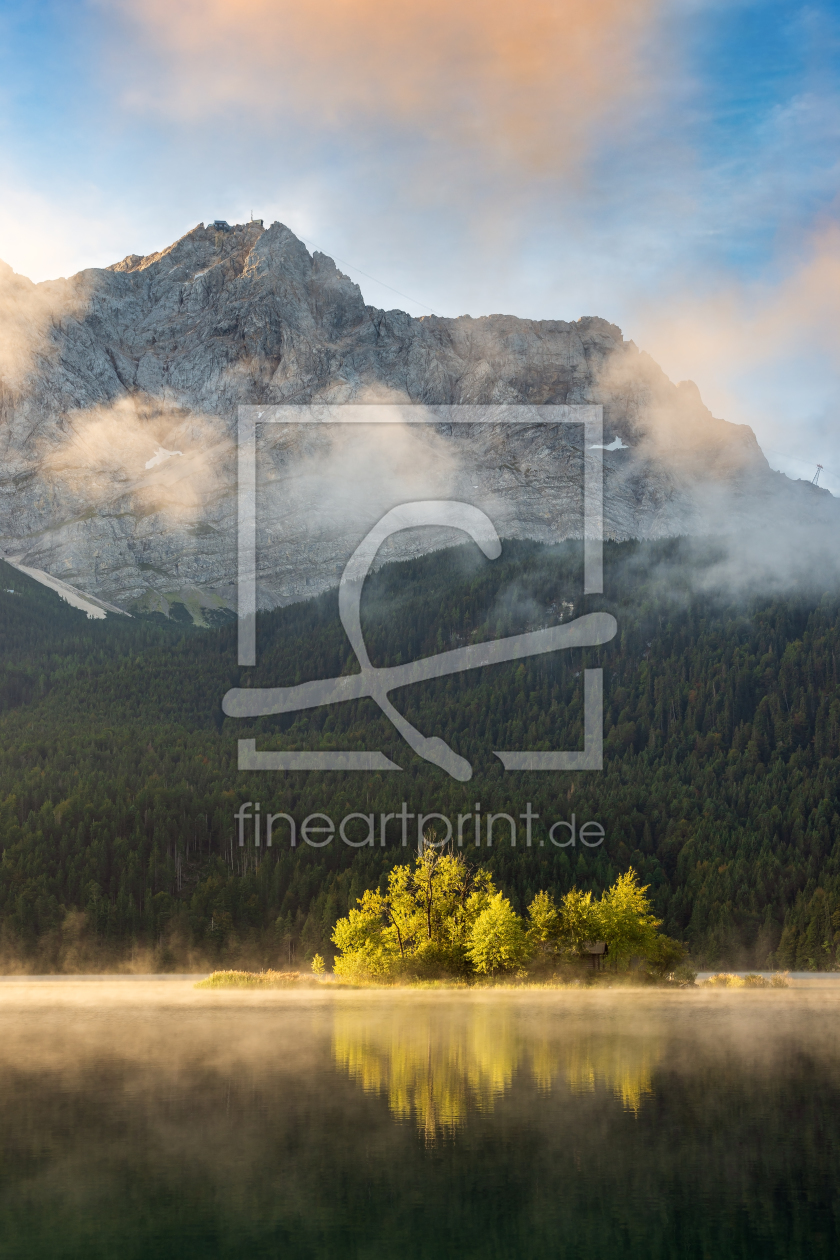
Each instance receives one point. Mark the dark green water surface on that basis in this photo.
(148, 1120)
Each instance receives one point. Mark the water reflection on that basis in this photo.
(622, 1065)
(435, 1066)
(147, 1124)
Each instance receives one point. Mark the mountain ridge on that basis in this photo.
(158, 351)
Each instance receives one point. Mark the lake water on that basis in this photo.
(146, 1119)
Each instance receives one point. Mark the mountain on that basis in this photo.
(118, 397)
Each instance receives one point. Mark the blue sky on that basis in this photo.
(672, 166)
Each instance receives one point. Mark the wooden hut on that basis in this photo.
(597, 952)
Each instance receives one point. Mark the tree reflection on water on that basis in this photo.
(152, 1120)
(436, 1068)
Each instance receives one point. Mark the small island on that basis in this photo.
(441, 920)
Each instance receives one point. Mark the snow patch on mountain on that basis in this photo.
(160, 456)
(96, 609)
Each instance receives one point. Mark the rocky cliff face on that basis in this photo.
(118, 397)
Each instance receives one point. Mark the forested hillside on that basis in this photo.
(119, 780)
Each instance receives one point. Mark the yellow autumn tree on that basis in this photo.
(420, 925)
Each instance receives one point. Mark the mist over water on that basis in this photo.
(144, 1118)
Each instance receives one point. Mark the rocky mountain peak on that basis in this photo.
(103, 371)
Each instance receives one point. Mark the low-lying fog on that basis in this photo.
(140, 1117)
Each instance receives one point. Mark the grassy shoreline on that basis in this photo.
(593, 980)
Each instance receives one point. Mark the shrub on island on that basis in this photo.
(255, 980)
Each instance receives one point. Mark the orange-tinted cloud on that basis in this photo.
(523, 82)
(741, 327)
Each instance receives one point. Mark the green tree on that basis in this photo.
(579, 921)
(421, 924)
(498, 941)
(543, 926)
(665, 956)
(366, 948)
(624, 920)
